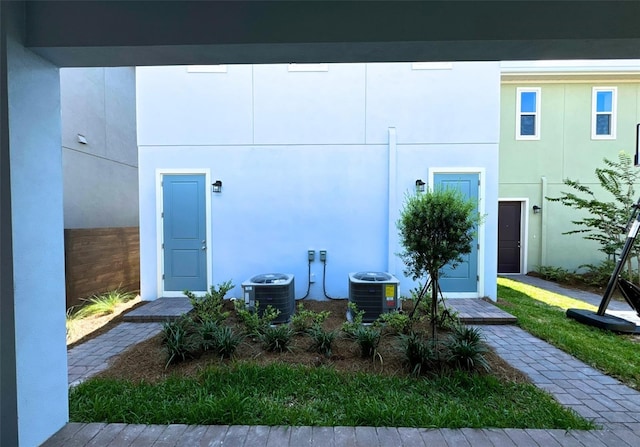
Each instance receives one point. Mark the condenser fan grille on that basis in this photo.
(367, 298)
(372, 276)
(270, 278)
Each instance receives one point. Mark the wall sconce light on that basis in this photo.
(536, 209)
(419, 185)
(216, 186)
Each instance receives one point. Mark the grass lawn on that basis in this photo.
(542, 314)
(278, 394)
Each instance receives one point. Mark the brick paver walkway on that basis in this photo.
(178, 435)
(91, 357)
(574, 384)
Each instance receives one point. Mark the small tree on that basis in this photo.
(606, 221)
(436, 228)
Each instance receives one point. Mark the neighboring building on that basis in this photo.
(100, 175)
(559, 119)
(309, 157)
(99, 148)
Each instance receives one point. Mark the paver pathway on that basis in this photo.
(178, 435)
(574, 384)
(92, 356)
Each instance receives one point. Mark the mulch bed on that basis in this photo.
(147, 360)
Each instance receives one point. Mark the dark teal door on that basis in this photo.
(464, 278)
(184, 223)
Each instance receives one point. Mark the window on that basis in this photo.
(603, 115)
(528, 114)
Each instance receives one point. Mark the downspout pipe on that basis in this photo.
(392, 203)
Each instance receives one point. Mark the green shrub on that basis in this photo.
(467, 333)
(598, 274)
(350, 327)
(210, 306)
(277, 338)
(180, 339)
(102, 304)
(558, 274)
(321, 340)
(368, 339)
(303, 319)
(394, 322)
(465, 349)
(254, 323)
(421, 355)
(226, 342)
(208, 332)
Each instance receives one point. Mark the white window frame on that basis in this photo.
(595, 113)
(537, 114)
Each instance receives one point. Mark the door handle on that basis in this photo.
(204, 245)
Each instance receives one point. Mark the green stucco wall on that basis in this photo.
(565, 150)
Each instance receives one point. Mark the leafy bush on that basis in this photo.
(394, 322)
(421, 355)
(254, 323)
(558, 274)
(208, 332)
(350, 327)
(277, 338)
(322, 340)
(368, 338)
(180, 339)
(303, 319)
(598, 274)
(209, 306)
(465, 349)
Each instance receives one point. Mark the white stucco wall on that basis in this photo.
(305, 159)
(38, 249)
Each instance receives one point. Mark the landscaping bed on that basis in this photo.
(148, 360)
(303, 387)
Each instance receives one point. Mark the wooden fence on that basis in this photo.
(101, 259)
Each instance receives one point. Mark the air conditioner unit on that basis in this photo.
(275, 289)
(375, 293)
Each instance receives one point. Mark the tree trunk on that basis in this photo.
(434, 306)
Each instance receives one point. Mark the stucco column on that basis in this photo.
(33, 372)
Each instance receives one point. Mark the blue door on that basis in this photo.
(464, 278)
(184, 242)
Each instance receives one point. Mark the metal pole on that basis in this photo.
(613, 281)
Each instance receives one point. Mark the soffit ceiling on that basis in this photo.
(118, 33)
